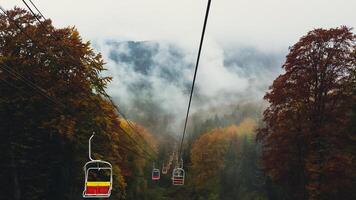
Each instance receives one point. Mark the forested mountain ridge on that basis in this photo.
(155, 77)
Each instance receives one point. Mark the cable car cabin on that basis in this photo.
(178, 176)
(98, 179)
(156, 175)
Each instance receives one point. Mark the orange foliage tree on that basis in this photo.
(138, 150)
(209, 151)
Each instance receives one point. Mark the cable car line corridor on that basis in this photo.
(177, 100)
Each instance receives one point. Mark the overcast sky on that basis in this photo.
(267, 24)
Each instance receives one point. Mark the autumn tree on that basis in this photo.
(224, 163)
(306, 140)
(207, 156)
(52, 100)
(138, 148)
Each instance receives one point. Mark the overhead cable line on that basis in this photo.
(24, 79)
(133, 139)
(14, 86)
(35, 8)
(129, 123)
(28, 83)
(194, 78)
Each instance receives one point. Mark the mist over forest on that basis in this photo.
(151, 80)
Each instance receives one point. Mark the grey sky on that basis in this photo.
(267, 24)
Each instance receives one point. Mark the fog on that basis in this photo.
(152, 80)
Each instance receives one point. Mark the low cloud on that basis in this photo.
(152, 80)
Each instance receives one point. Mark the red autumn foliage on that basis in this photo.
(307, 145)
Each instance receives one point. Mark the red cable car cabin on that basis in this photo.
(156, 175)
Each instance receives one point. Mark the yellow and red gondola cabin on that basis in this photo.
(98, 179)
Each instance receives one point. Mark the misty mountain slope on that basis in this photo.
(152, 79)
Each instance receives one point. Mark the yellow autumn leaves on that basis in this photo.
(208, 152)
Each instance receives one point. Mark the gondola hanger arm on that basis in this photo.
(91, 137)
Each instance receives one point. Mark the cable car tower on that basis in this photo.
(98, 177)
